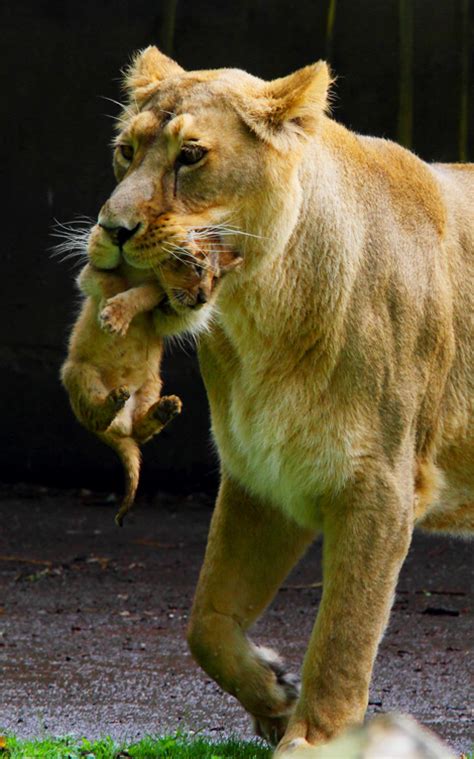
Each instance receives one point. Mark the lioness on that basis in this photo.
(338, 362)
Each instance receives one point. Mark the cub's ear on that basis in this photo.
(148, 68)
(228, 260)
(288, 106)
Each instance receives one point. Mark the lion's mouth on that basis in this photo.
(170, 307)
(173, 307)
(166, 308)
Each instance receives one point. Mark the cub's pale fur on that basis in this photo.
(112, 372)
(338, 362)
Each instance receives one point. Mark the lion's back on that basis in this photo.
(456, 181)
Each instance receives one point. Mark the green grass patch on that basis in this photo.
(148, 748)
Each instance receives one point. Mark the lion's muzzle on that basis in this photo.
(119, 235)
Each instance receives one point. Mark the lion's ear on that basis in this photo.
(148, 68)
(290, 105)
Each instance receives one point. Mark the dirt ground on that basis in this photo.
(93, 618)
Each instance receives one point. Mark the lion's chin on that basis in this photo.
(134, 263)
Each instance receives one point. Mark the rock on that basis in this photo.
(387, 736)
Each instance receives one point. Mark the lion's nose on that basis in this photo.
(119, 235)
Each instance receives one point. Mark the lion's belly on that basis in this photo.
(456, 464)
(283, 448)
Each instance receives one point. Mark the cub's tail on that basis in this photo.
(129, 454)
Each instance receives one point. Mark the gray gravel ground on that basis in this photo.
(93, 618)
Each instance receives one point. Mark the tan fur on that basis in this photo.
(112, 370)
(338, 361)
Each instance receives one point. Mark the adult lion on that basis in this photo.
(338, 361)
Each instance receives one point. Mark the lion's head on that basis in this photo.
(206, 152)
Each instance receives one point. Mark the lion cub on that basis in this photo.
(112, 372)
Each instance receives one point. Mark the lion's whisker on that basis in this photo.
(74, 237)
(126, 109)
(223, 230)
(68, 225)
(186, 256)
(67, 254)
(169, 113)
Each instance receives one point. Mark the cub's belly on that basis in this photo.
(285, 450)
(131, 360)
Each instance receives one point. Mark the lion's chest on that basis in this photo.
(280, 443)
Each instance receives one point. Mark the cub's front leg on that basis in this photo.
(119, 310)
(367, 533)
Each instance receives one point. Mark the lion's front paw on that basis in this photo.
(302, 741)
(299, 748)
(273, 728)
(115, 317)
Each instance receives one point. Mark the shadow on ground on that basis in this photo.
(93, 619)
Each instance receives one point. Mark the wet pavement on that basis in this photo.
(93, 619)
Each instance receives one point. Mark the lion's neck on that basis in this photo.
(295, 299)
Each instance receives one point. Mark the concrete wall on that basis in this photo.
(59, 59)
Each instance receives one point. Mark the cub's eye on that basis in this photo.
(190, 154)
(126, 152)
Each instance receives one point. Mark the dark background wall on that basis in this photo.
(403, 71)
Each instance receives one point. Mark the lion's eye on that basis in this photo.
(190, 154)
(126, 152)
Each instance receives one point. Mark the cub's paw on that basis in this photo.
(166, 408)
(157, 417)
(114, 317)
(105, 413)
(118, 397)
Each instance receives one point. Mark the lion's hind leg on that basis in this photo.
(459, 521)
(442, 505)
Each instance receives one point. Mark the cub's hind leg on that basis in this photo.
(93, 404)
(152, 413)
(251, 548)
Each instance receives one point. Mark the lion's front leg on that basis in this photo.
(250, 550)
(366, 538)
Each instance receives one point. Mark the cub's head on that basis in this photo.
(210, 153)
